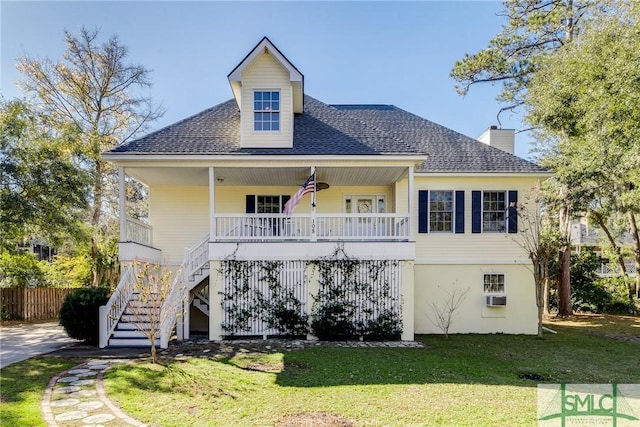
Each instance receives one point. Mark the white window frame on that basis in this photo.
(279, 197)
(452, 212)
(494, 292)
(262, 111)
(504, 212)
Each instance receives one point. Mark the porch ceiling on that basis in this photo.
(267, 176)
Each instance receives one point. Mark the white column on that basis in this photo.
(407, 275)
(410, 201)
(216, 288)
(212, 203)
(314, 228)
(122, 201)
(313, 288)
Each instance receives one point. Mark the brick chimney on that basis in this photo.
(504, 139)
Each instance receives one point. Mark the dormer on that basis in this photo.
(269, 90)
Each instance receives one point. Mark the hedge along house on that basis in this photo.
(273, 190)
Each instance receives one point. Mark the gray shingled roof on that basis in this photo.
(334, 130)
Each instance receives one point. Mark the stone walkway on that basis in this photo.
(77, 398)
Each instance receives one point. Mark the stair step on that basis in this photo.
(149, 297)
(130, 334)
(201, 306)
(132, 326)
(131, 342)
(150, 304)
(133, 318)
(140, 314)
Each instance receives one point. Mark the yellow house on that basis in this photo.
(293, 210)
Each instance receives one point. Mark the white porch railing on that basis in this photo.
(111, 312)
(278, 227)
(614, 270)
(138, 232)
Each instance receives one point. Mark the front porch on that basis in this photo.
(364, 212)
(244, 203)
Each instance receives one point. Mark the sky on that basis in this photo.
(358, 52)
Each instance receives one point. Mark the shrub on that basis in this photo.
(586, 293)
(617, 301)
(79, 313)
(386, 327)
(68, 271)
(21, 270)
(332, 322)
(288, 321)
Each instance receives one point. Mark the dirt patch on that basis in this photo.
(202, 347)
(533, 376)
(314, 419)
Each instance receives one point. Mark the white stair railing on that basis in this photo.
(111, 312)
(174, 305)
(197, 258)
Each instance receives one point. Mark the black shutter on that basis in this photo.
(476, 211)
(423, 211)
(512, 224)
(251, 203)
(285, 199)
(459, 211)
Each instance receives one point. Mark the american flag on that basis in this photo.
(307, 187)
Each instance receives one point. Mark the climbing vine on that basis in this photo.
(267, 300)
(356, 298)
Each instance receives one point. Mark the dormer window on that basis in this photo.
(266, 110)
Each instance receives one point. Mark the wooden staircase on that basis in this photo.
(132, 330)
(128, 316)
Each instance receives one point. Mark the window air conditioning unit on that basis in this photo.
(496, 300)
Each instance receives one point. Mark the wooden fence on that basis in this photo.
(31, 304)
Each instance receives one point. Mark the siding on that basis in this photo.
(266, 73)
(432, 283)
(232, 199)
(180, 218)
(468, 247)
(401, 196)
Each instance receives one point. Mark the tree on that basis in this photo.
(444, 310)
(42, 193)
(96, 91)
(587, 96)
(540, 239)
(534, 29)
(151, 305)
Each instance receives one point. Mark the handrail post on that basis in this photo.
(103, 337)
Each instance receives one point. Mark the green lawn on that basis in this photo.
(470, 380)
(21, 388)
